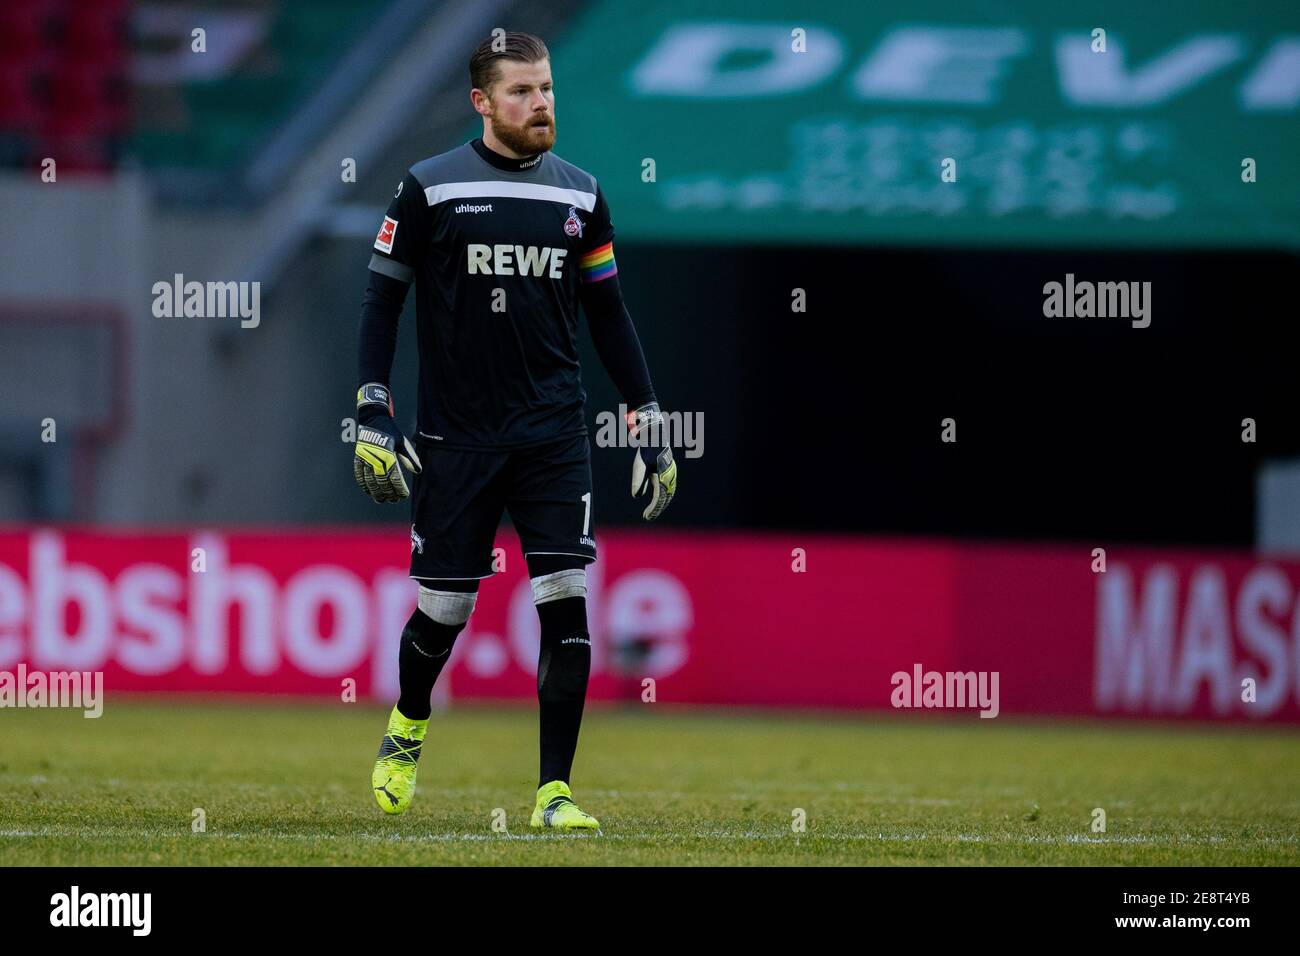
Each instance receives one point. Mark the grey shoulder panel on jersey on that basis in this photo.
(561, 172)
(455, 165)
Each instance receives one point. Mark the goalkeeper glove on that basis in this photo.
(380, 446)
(653, 468)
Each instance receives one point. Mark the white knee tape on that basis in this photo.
(559, 585)
(447, 607)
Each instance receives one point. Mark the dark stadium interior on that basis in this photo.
(1069, 428)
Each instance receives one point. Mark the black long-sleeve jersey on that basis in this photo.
(501, 252)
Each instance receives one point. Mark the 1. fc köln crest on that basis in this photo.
(573, 225)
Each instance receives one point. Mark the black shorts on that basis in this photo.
(459, 496)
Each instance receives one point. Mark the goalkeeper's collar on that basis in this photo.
(505, 162)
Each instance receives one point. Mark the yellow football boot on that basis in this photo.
(555, 810)
(393, 778)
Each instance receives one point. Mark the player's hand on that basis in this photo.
(381, 448)
(653, 468)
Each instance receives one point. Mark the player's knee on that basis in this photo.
(425, 641)
(452, 608)
(559, 585)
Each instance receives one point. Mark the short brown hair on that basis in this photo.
(521, 47)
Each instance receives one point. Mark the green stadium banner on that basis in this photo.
(776, 121)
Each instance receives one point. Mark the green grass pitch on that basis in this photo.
(290, 784)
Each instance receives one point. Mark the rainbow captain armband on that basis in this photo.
(598, 264)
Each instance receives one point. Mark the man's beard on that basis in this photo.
(525, 140)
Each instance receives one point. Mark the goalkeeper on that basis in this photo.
(503, 240)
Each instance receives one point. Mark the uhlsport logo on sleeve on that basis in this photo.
(384, 241)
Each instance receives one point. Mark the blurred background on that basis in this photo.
(749, 150)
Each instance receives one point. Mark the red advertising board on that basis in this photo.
(729, 619)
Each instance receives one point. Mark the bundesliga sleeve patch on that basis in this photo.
(384, 241)
(598, 264)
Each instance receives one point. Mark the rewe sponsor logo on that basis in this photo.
(954, 690)
(69, 689)
(75, 908)
(506, 260)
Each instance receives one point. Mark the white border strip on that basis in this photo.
(442, 192)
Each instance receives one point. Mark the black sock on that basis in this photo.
(563, 666)
(425, 648)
